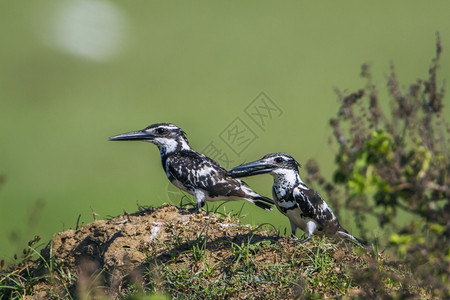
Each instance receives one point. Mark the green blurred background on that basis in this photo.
(73, 73)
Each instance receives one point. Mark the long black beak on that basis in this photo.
(251, 168)
(140, 135)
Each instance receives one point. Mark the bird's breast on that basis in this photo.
(284, 199)
(285, 206)
(279, 192)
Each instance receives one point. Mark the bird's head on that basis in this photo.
(273, 163)
(166, 136)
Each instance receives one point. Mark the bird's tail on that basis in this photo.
(263, 205)
(265, 199)
(345, 234)
(262, 202)
(255, 198)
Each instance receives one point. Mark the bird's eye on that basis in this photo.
(160, 130)
(278, 159)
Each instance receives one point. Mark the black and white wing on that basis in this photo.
(196, 171)
(314, 207)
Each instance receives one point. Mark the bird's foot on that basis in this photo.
(305, 240)
(199, 207)
(297, 241)
(197, 210)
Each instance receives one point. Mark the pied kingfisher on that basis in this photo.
(191, 171)
(304, 207)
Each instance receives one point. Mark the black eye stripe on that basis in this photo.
(278, 159)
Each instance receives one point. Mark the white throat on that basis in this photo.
(286, 178)
(167, 146)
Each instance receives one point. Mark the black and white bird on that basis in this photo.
(304, 207)
(191, 171)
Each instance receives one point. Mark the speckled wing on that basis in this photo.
(314, 207)
(196, 171)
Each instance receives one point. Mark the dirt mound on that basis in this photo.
(120, 246)
(195, 256)
(113, 245)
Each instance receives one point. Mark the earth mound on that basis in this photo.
(171, 251)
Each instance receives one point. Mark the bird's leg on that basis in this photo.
(200, 204)
(200, 197)
(305, 240)
(293, 230)
(311, 227)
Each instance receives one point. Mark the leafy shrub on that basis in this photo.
(396, 158)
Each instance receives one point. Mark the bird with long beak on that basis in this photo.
(304, 207)
(191, 171)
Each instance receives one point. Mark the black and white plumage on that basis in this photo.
(191, 171)
(304, 207)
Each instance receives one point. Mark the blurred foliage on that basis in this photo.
(397, 161)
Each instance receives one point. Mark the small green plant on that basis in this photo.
(198, 248)
(242, 255)
(19, 281)
(33, 269)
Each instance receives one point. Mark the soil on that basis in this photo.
(106, 257)
(120, 246)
